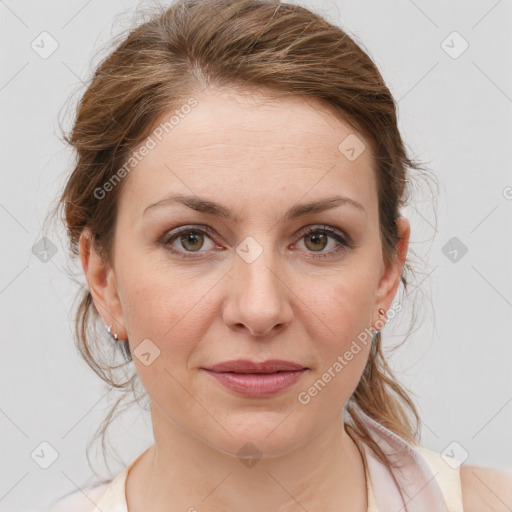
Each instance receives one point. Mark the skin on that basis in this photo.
(485, 489)
(257, 156)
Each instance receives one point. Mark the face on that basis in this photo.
(264, 280)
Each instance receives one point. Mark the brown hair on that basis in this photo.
(275, 48)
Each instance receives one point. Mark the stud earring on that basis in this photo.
(382, 312)
(109, 329)
(123, 344)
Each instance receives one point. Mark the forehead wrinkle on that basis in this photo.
(321, 156)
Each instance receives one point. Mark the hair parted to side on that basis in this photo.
(262, 45)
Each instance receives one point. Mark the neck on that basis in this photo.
(181, 472)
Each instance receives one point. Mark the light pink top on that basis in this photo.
(425, 482)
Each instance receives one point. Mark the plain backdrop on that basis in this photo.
(448, 64)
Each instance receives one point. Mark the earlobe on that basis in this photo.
(390, 280)
(102, 283)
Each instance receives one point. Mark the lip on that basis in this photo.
(257, 380)
(257, 385)
(247, 366)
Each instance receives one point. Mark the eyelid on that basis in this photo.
(330, 230)
(342, 238)
(174, 234)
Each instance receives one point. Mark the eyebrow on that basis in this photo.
(299, 210)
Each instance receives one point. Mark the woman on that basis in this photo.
(235, 205)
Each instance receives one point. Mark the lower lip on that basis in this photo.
(257, 384)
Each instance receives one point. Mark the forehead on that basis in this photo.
(235, 145)
(229, 122)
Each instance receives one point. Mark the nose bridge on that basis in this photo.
(257, 267)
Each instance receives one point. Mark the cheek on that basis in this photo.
(344, 309)
(342, 338)
(164, 322)
(167, 312)
(158, 300)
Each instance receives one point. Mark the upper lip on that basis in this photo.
(247, 366)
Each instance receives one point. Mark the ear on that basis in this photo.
(102, 284)
(390, 280)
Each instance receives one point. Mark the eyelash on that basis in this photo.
(344, 242)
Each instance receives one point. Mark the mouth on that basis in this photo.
(245, 366)
(257, 385)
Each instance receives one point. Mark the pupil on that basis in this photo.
(315, 239)
(193, 238)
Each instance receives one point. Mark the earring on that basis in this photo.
(123, 344)
(382, 312)
(109, 329)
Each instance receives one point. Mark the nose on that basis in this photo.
(258, 297)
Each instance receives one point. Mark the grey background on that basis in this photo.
(455, 114)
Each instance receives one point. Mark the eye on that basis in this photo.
(189, 240)
(317, 239)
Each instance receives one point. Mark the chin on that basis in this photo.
(262, 435)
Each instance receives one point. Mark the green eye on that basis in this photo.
(319, 238)
(192, 240)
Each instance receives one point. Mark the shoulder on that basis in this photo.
(485, 489)
(79, 501)
(445, 471)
